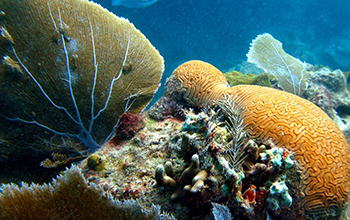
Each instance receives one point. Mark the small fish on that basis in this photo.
(134, 3)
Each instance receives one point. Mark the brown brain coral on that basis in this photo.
(290, 121)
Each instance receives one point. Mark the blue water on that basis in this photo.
(220, 31)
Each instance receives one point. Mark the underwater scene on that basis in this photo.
(185, 109)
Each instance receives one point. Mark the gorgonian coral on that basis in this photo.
(69, 69)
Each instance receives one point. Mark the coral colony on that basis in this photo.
(204, 150)
(58, 89)
(226, 162)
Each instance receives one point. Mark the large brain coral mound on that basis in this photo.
(289, 121)
(69, 69)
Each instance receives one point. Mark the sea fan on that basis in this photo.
(69, 70)
(267, 53)
(69, 196)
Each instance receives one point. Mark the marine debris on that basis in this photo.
(67, 74)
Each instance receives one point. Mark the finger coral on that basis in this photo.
(69, 69)
(290, 122)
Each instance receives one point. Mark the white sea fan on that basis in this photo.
(267, 53)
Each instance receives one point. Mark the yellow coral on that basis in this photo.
(289, 121)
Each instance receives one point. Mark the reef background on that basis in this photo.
(219, 32)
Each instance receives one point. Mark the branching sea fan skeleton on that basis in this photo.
(68, 70)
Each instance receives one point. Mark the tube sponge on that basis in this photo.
(162, 178)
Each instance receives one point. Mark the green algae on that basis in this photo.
(236, 78)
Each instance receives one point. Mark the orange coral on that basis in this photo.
(319, 146)
(202, 81)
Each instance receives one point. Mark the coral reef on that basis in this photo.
(132, 168)
(290, 122)
(185, 166)
(222, 168)
(268, 54)
(69, 197)
(67, 74)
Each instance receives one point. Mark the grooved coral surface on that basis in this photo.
(289, 121)
(202, 81)
(318, 144)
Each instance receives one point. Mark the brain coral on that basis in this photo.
(198, 88)
(289, 121)
(68, 70)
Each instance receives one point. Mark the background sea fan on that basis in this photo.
(267, 53)
(69, 69)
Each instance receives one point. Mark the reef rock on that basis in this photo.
(186, 166)
(328, 90)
